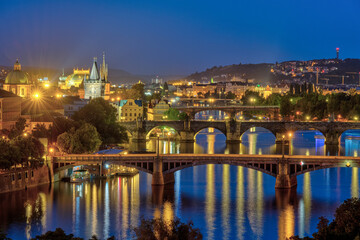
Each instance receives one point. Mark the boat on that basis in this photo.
(80, 176)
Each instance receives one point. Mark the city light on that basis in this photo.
(348, 164)
(25, 134)
(36, 96)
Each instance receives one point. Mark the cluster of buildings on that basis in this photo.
(236, 87)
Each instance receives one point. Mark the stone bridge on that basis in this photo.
(233, 130)
(162, 167)
(231, 110)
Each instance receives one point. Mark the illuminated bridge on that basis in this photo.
(231, 110)
(162, 167)
(233, 130)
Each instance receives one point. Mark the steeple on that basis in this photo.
(17, 65)
(104, 69)
(94, 74)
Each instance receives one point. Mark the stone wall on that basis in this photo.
(23, 178)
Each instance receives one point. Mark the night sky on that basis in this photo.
(176, 36)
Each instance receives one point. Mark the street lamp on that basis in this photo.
(168, 134)
(283, 146)
(158, 145)
(290, 135)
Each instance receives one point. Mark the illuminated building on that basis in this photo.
(157, 113)
(17, 82)
(73, 80)
(131, 110)
(10, 109)
(97, 84)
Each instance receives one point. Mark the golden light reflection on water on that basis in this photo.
(255, 208)
(135, 200)
(94, 217)
(211, 144)
(355, 182)
(286, 224)
(240, 203)
(307, 201)
(28, 214)
(210, 201)
(124, 207)
(168, 213)
(225, 201)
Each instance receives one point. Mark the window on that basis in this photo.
(130, 114)
(32, 173)
(13, 177)
(134, 114)
(19, 175)
(125, 114)
(22, 92)
(130, 103)
(26, 174)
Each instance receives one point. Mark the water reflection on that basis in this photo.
(210, 201)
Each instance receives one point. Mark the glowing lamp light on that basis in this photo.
(51, 150)
(308, 118)
(301, 163)
(356, 118)
(25, 134)
(36, 95)
(46, 85)
(290, 134)
(348, 164)
(107, 166)
(118, 98)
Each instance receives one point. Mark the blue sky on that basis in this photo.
(175, 36)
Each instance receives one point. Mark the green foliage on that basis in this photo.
(252, 98)
(230, 95)
(18, 129)
(84, 140)
(9, 154)
(346, 224)
(154, 229)
(40, 131)
(174, 115)
(285, 107)
(21, 150)
(58, 234)
(137, 91)
(102, 116)
(61, 125)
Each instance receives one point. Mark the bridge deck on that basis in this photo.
(187, 157)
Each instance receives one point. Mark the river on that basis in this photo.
(223, 201)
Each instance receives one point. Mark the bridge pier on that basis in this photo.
(233, 131)
(283, 179)
(187, 136)
(157, 178)
(332, 143)
(138, 136)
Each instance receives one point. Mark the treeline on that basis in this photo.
(20, 148)
(149, 229)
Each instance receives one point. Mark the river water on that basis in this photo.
(223, 201)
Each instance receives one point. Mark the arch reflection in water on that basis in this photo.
(205, 141)
(257, 140)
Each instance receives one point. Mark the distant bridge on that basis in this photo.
(233, 130)
(162, 167)
(231, 110)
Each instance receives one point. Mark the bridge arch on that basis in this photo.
(350, 142)
(270, 169)
(164, 129)
(214, 114)
(148, 168)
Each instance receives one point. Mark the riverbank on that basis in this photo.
(23, 178)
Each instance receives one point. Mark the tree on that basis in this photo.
(138, 91)
(18, 129)
(230, 95)
(9, 154)
(83, 140)
(158, 228)
(102, 116)
(346, 224)
(174, 115)
(31, 150)
(285, 107)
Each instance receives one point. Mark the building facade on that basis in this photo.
(131, 110)
(156, 113)
(10, 109)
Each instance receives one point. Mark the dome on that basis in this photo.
(17, 76)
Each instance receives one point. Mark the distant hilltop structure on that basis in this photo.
(91, 83)
(18, 82)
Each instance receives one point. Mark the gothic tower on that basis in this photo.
(94, 86)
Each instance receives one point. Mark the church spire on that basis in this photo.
(94, 74)
(104, 69)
